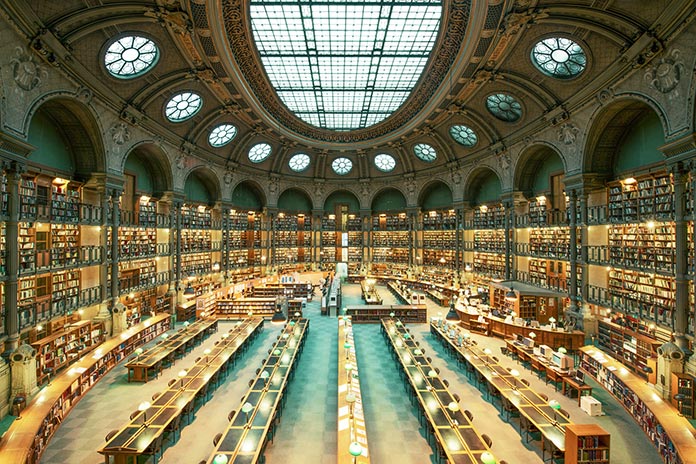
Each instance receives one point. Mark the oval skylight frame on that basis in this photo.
(463, 135)
(385, 162)
(130, 56)
(559, 57)
(183, 106)
(260, 152)
(504, 107)
(299, 162)
(425, 152)
(221, 135)
(342, 165)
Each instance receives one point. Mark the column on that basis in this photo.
(681, 310)
(582, 204)
(413, 243)
(573, 319)
(14, 177)
(114, 197)
(175, 221)
(104, 314)
(509, 224)
(367, 240)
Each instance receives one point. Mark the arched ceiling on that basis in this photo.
(483, 49)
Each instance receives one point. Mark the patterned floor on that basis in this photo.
(307, 431)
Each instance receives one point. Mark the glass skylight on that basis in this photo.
(344, 64)
(259, 152)
(425, 152)
(222, 135)
(342, 166)
(384, 162)
(299, 162)
(504, 107)
(183, 106)
(130, 56)
(559, 57)
(463, 135)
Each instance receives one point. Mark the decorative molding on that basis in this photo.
(27, 73)
(665, 75)
(120, 133)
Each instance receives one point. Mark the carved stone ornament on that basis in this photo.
(26, 72)
(664, 76)
(504, 161)
(319, 189)
(365, 190)
(273, 186)
(228, 177)
(456, 177)
(568, 133)
(120, 133)
(181, 161)
(84, 94)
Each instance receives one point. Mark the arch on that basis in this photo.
(296, 200)
(341, 197)
(482, 186)
(534, 165)
(388, 199)
(156, 166)
(608, 128)
(78, 128)
(249, 195)
(435, 195)
(202, 186)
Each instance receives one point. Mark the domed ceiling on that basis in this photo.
(340, 90)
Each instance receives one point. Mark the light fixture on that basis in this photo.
(138, 352)
(532, 335)
(216, 266)
(487, 458)
(220, 459)
(483, 208)
(189, 290)
(453, 406)
(452, 313)
(510, 295)
(206, 352)
(246, 409)
(562, 350)
(629, 180)
(143, 407)
(467, 267)
(355, 450)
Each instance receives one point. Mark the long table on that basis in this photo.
(528, 402)
(351, 420)
(142, 434)
(458, 440)
(151, 359)
(245, 438)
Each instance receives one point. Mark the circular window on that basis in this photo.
(504, 107)
(222, 135)
(342, 166)
(183, 106)
(384, 162)
(259, 152)
(130, 56)
(425, 152)
(464, 135)
(299, 162)
(559, 57)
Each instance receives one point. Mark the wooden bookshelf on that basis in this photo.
(60, 349)
(137, 242)
(239, 308)
(27, 438)
(65, 202)
(490, 264)
(374, 313)
(649, 246)
(490, 216)
(586, 444)
(27, 248)
(672, 435)
(491, 241)
(683, 384)
(64, 245)
(638, 351)
(645, 198)
(631, 290)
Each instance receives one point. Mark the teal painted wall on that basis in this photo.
(246, 197)
(439, 196)
(52, 148)
(389, 200)
(639, 147)
(342, 198)
(195, 190)
(143, 178)
(489, 190)
(542, 174)
(294, 200)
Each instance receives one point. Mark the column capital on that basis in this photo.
(583, 183)
(681, 149)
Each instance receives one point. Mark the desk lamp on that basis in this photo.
(487, 458)
(347, 346)
(182, 374)
(143, 407)
(680, 397)
(355, 450)
(452, 313)
(220, 459)
(552, 320)
(246, 409)
(350, 399)
(206, 352)
(138, 352)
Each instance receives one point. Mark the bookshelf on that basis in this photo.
(27, 248)
(587, 444)
(648, 246)
(239, 308)
(375, 313)
(550, 242)
(490, 216)
(27, 198)
(641, 199)
(3, 249)
(196, 240)
(65, 290)
(65, 346)
(196, 263)
(137, 242)
(683, 384)
(64, 245)
(147, 212)
(195, 217)
(490, 264)
(65, 201)
(440, 220)
(638, 351)
(292, 239)
(673, 436)
(492, 241)
(633, 291)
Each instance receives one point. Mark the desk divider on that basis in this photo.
(352, 435)
(144, 433)
(254, 423)
(457, 439)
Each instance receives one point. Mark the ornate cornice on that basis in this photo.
(453, 35)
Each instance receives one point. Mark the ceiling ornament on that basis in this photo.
(241, 44)
(664, 76)
(27, 73)
(568, 133)
(120, 133)
(516, 21)
(176, 20)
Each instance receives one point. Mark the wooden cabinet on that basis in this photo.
(683, 384)
(586, 443)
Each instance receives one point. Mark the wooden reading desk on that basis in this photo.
(244, 440)
(458, 440)
(150, 361)
(351, 420)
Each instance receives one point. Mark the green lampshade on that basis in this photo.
(220, 459)
(417, 352)
(555, 404)
(432, 373)
(399, 323)
(355, 449)
(276, 352)
(391, 314)
(407, 335)
(265, 375)
(349, 367)
(347, 346)
(139, 351)
(247, 407)
(453, 406)
(487, 458)
(350, 398)
(292, 323)
(562, 350)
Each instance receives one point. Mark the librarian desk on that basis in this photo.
(150, 361)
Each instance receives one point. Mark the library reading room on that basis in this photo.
(483, 209)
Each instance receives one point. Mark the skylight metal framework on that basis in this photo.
(344, 65)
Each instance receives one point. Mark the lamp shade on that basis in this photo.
(487, 458)
(555, 404)
(265, 375)
(355, 449)
(189, 290)
(247, 407)
(278, 317)
(511, 295)
(562, 350)
(220, 459)
(453, 406)
(452, 314)
(350, 398)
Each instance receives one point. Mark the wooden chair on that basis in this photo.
(469, 415)
(525, 381)
(171, 383)
(445, 382)
(173, 429)
(216, 439)
(456, 398)
(134, 414)
(156, 395)
(487, 440)
(564, 413)
(509, 409)
(528, 429)
(231, 415)
(110, 435)
(543, 396)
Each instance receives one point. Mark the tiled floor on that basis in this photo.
(307, 431)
